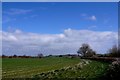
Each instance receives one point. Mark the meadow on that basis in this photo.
(62, 67)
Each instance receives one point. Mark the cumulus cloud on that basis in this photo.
(18, 42)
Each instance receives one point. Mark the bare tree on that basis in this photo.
(86, 51)
(4, 56)
(113, 52)
(14, 56)
(40, 55)
(90, 53)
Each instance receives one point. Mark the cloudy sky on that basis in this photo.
(58, 28)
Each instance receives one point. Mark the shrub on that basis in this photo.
(113, 72)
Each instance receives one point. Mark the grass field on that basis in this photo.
(26, 68)
(86, 69)
(0, 68)
(16, 67)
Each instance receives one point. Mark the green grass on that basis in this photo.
(93, 70)
(26, 68)
(0, 68)
(29, 67)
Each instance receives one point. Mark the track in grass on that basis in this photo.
(29, 67)
(26, 68)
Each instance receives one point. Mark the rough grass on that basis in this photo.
(84, 70)
(26, 68)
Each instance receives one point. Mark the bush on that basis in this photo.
(113, 72)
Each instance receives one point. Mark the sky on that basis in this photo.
(58, 27)
(60, 0)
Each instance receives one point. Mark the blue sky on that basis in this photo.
(58, 28)
(55, 17)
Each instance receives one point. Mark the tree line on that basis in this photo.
(86, 51)
(23, 56)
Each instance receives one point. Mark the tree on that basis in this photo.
(24, 56)
(40, 55)
(14, 56)
(114, 51)
(86, 51)
(90, 53)
(4, 56)
(119, 50)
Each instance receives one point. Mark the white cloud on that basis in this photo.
(92, 27)
(69, 41)
(17, 31)
(92, 18)
(83, 14)
(6, 19)
(8, 15)
(88, 17)
(16, 11)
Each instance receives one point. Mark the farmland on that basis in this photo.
(86, 69)
(24, 68)
(0, 68)
(31, 67)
